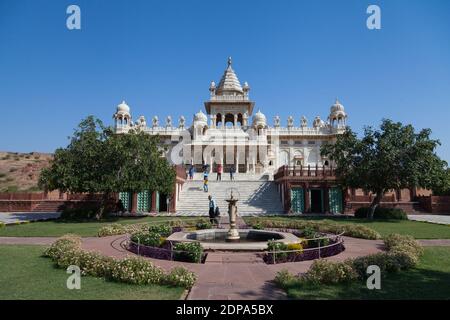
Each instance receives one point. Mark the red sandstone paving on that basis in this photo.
(27, 240)
(435, 242)
(230, 275)
(225, 275)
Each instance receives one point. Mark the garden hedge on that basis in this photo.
(118, 229)
(67, 251)
(325, 226)
(403, 253)
(382, 213)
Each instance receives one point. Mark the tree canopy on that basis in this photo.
(99, 161)
(392, 157)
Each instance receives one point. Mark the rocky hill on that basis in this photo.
(20, 171)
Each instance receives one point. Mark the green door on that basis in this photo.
(157, 201)
(126, 200)
(297, 200)
(144, 201)
(336, 200)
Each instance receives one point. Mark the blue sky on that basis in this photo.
(160, 56)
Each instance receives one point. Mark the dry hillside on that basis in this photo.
(20, 171)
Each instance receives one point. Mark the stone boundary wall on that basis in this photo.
(435, 204)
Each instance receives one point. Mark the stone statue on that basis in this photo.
(142, 122)
(290, 122)
(245, 118)
(155, 122)
(181, 122)
(169, 122)
(276, 121)
(318, 123)
(304, 122)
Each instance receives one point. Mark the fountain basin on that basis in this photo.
(250, 239)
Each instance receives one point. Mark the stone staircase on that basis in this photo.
(49, 206)
(255, 197)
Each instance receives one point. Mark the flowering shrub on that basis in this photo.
(136, 271)
(188, 251)
(327, 272)
(62, 245)
(313, 252)
(181, 277)
(164, 230)
(67, 251)
(117, 228)
(403, 252)
(151, 239)
(257, 226)
(202, 224)
(397, 242)
(285, 279)
(324, 226)
(273, 247)
(295, 246)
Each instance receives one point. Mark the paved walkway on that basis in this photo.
(435, 242)
(226, 275)
(433, 218)
(28, 240)
(14, 217)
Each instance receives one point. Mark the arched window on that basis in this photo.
(229, 118)
(284, 158)
(218, 119)
(239, 119)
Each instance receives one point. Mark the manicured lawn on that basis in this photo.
(25, 274)
(419, 230)
(429, 280)
(55, 228)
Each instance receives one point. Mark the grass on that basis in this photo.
(429, 280)
(25, 274)
(57, 228)
(417, 229)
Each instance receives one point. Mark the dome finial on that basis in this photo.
(229, 61)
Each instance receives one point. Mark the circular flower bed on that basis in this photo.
(153, 244)
(313, 245)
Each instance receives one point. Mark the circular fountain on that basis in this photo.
(233, 238)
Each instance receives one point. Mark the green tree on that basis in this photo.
(442, 187)
(393, 157)
(99, 161)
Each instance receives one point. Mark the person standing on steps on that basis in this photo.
(219, 172)
(232, 171)
(205, 183)
(212, 209)
(191, 172)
